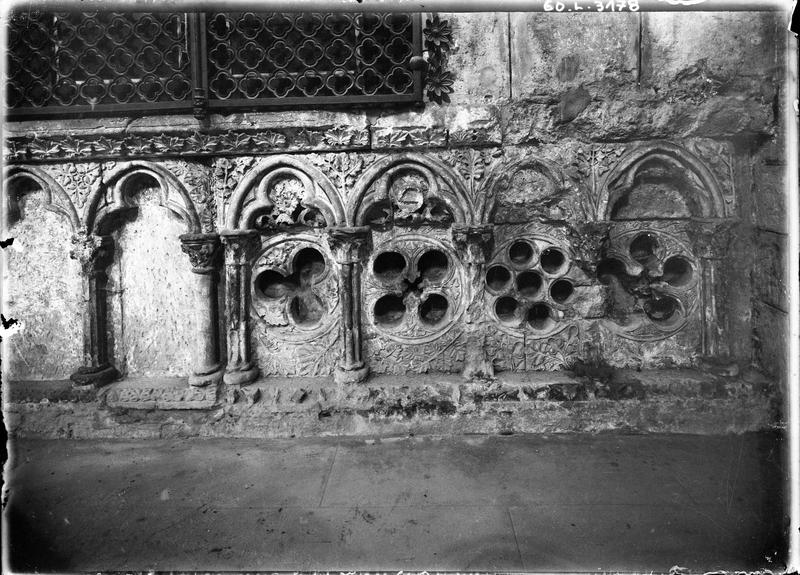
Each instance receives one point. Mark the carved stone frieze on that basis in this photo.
(520, 353)
(589, 164)
(473, 137)
(444, 355)
(79, 179)
(194, 144)
(342, 168)
(196, 178)
(473, 165)
(409, 137)
(241, 143)
(134, 396)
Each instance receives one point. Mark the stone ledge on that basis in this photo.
(161, 393)
(674, 401)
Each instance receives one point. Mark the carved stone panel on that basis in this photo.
(529, 286)
(295, 306)
(414, 296)
(654, 280)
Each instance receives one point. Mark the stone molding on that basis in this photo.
(229, 143)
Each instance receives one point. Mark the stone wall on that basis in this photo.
(582, 198)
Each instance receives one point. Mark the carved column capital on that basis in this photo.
(476, 242)
(349, 244)
(240, 245)
(202, 250)
(91, 251)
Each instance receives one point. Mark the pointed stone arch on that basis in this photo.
(312, 191)
(57, 199)
(443, 184)
(113, 196)
(502, 177)
(683, 174)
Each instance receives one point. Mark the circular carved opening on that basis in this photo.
(561, 290)
(433, 265)
(388, 266)
(273, 285)
(389, 310)
(506, 309)
(520, 253)
(306, 309)
(433, 309)
(538, 316)
(643, 248)
(308, 263)
(661, 309)
(677, 271)
(552, 260)
(529, 284)
(497, 277)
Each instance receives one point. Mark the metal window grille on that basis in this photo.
(111, 62)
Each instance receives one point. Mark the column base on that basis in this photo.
(95, 376)
(206, 379)
(356, 375)
(243, 377)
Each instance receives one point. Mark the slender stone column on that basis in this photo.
(239, 248)
(94, 254)
(203, 250)
(711, 240)
(348, 246)
(475, 243)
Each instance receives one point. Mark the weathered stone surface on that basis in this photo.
(770, 339)
(769, 277)
(771, 192)
(152, 294)
(657, 401)
(479, 58)
(699, 53)
(162, 393)
(43, 292)
(552, 53)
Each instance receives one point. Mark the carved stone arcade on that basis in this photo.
(346, 263)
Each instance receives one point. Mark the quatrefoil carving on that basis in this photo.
(293, 295)
(653, 282)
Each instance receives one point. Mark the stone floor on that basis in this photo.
(575, 502)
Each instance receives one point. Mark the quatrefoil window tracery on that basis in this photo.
(295, 295)
(414, 288)
(652, 280)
